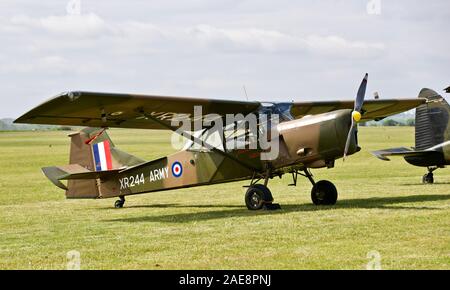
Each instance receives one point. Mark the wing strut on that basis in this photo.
(201, 143)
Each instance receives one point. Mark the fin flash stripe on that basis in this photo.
(102, 156)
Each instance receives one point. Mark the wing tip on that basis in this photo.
(380, 155)
(32, 113)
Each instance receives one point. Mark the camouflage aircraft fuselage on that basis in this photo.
(309, 142)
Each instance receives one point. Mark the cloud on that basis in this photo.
(338, 46)
(144, 37)
(211, 48)
(245, 40)
(85, 25)
(272, 41)
(52, 65)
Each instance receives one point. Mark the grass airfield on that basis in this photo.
(382, 207)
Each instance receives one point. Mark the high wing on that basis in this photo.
(372, 109)
(156, 112)
(126, 110)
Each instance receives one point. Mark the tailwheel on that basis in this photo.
(428, 178)
(258, 196)
(324, 193)
(120, 202)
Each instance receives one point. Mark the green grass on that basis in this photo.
(382, 207)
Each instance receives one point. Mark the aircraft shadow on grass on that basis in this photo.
(240, 211)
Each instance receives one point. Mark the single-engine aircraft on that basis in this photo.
(308, 135)
(432, 127)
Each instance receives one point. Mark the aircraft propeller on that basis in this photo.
(357, 113)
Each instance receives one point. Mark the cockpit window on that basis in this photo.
(236, 136)
(210, 138)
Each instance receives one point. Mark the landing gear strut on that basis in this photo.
(120, 202)
(429, 177)
(258, 196)
(323, 192)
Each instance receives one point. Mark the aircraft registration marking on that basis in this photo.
(131, 181)
(139, 179)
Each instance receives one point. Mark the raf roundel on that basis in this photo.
(177, 169)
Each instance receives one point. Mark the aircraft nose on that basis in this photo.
(343, 127)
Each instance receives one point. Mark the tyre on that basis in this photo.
(428, 178)
(324, 193)
(256, 196)
(118, 204)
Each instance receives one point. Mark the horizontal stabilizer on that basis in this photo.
(90, 174)
(401, 151)
(74, 171)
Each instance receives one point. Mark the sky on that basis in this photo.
(279, 50)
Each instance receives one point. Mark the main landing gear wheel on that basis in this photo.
(324, 193)
(120, 202)
(428, 178)
(257, 196)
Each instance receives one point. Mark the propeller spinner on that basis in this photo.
(357, 113)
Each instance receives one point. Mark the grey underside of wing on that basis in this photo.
(400, 151)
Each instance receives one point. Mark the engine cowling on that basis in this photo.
(316, 140)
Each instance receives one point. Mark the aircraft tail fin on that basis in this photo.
(432, 120)
(94, 149)
(93, 158)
